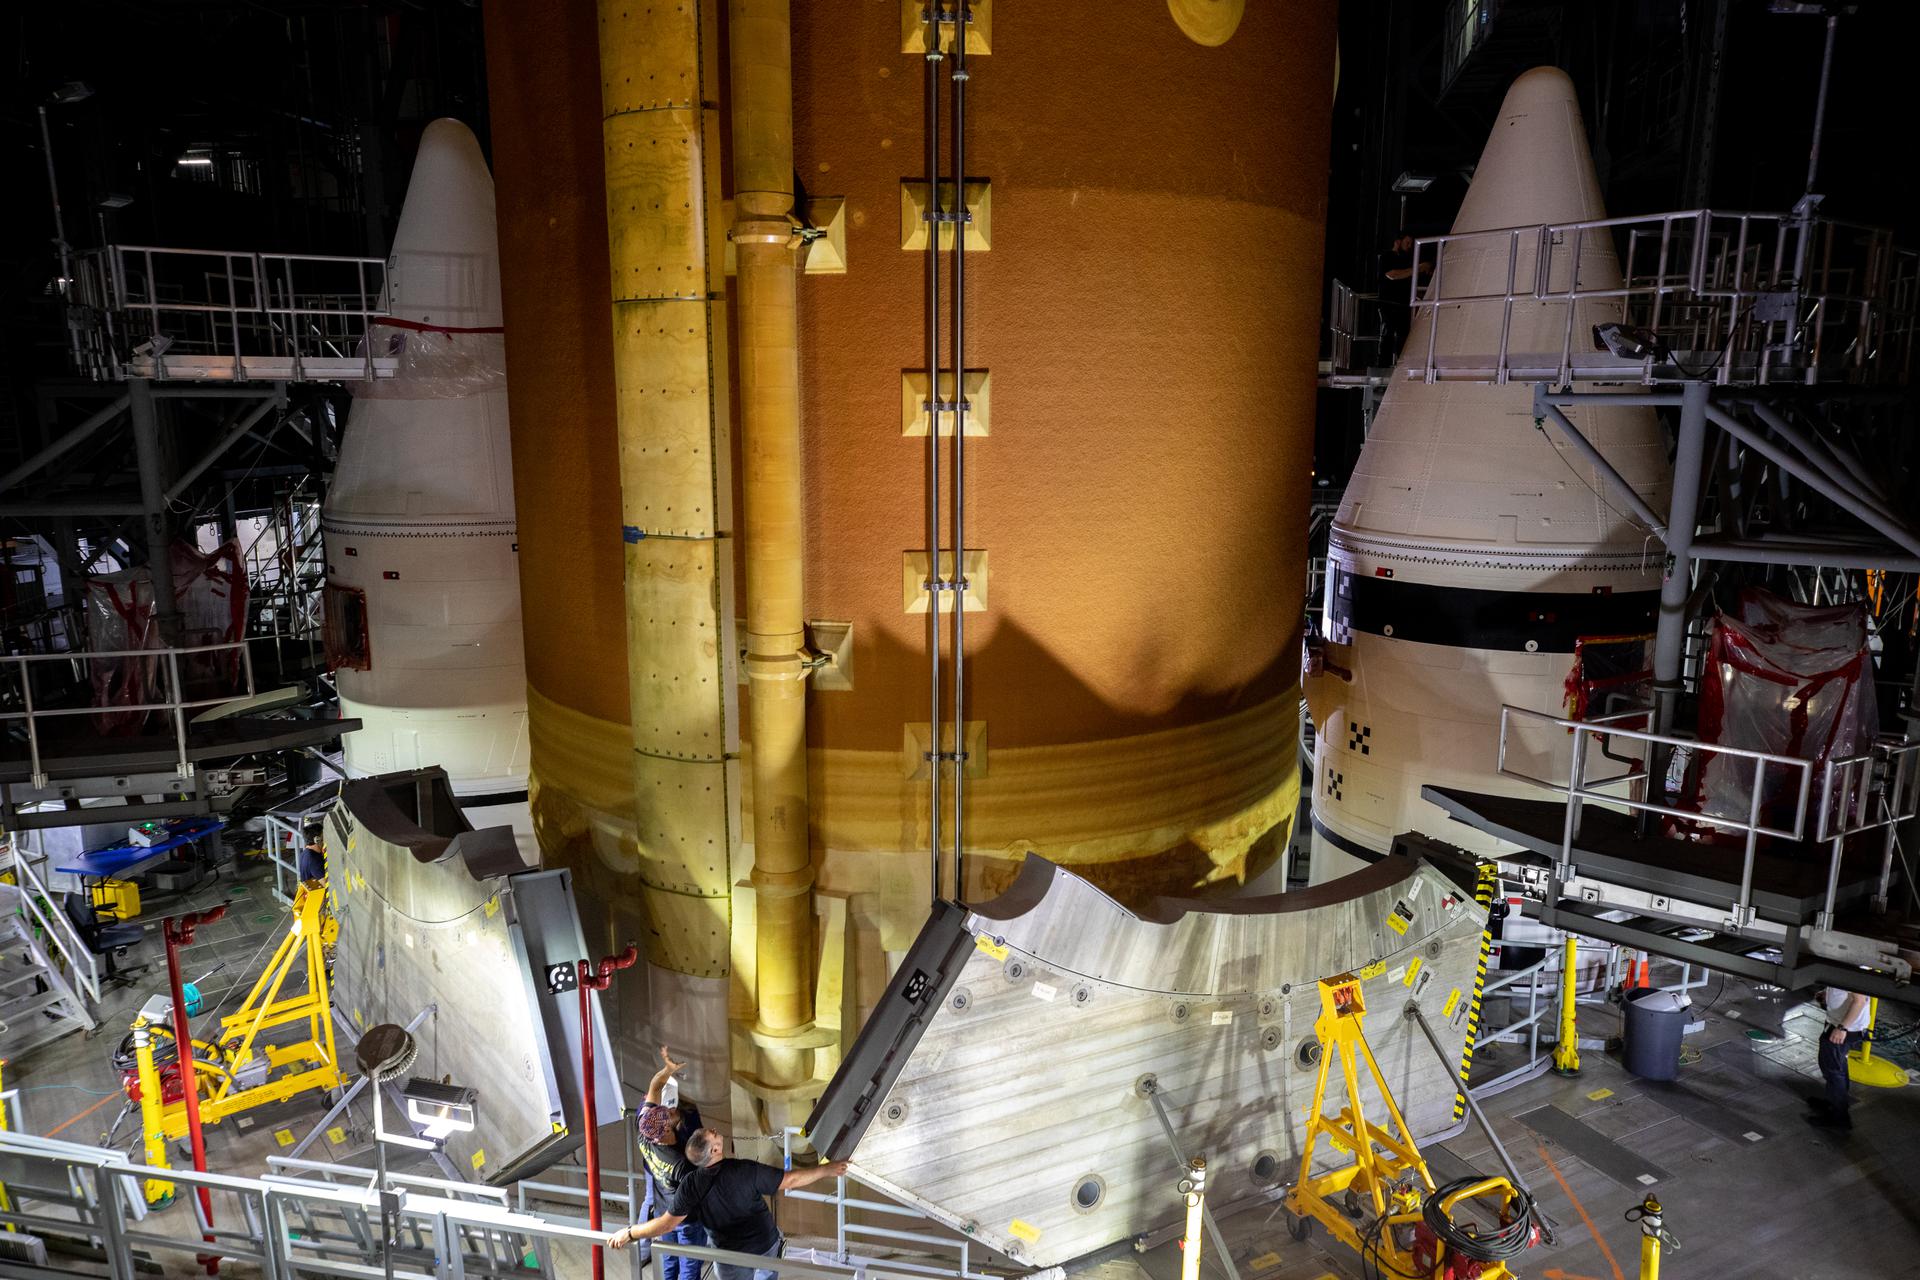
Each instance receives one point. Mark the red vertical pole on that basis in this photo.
(178, 932)
(588, 1114)
(595, 978)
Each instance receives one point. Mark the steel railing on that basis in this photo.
(1602, 735)
(295, 1227)
(1757, 296)
(176, 705)
(52, 922)
(1874, 791)
(207, 307)
(848, 1232)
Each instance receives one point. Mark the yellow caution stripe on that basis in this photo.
(1489, 879)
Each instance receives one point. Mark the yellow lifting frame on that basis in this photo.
(1382, 1157)
(305, 944)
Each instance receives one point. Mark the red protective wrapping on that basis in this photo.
(210, 592)
(1788, 680)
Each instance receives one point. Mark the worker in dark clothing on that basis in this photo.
(1847, 1019)
(664, 1130)
(728, 1197)
(1396, 314)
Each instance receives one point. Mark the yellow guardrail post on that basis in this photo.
(1566, 1054)
(1196, 1183)
(158, 1190)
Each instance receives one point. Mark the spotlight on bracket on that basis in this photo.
(439, 1109)
(1629, 342)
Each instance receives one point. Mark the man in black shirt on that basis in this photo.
(728, 1197)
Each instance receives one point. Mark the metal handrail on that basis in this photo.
(106, 1204)
(1711, 272)
(175, 703)
(250, 305)
(1852, 804)
(55, 925)
(1579, 788)
(844, 1229)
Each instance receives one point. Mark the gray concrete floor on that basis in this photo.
(1748, 1187)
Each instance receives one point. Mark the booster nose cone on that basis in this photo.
(445, 266)
(1536, 167)
(1474, 553)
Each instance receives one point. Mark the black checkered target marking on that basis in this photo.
(1334, 781)
(1358, 737)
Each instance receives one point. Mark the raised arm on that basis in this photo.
(794, 1179)
(666, 1072)
(652, 1229)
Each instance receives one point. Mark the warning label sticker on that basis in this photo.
(1402, 916)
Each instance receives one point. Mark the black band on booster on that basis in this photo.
(1471, 618)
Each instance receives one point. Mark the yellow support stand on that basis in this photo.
(303, 1065)
(6, 1205)
(1654, 1237)
(1387, 1173)
(1566, 1054)
(1196, 1211)
(158, 1191)
(1864, 1068)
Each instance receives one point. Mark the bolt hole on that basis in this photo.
(1266, 1168)
(1308, 1054)
(1089, 1192)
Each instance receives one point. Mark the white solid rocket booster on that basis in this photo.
(423, 589)
(1472, 550)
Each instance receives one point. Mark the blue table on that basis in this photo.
(130, 859)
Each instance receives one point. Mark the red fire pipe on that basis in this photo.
(178, 932)
(595, 978)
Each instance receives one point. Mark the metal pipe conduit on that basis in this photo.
(765, 241)
(931, 131)
(961, 14)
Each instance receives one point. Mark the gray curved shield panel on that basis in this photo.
(434, 912)
(998, 1084)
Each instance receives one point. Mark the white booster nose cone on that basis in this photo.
(1472, 550)
(423, 591)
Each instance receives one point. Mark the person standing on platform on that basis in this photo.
(664, 1127)
(1846, 1027)
(729, 1198)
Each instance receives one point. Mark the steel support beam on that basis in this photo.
(150, 460)
(1822, 460)
(1897, 532)
(1670, 635)
(234, 434)
(74, 436)
(1545, 411)
(58, 510)
(1827, 556)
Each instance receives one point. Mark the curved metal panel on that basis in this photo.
(1000, 1076)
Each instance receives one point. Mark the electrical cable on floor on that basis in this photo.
(1498, 1244)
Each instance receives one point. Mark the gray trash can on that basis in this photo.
(1655, 1023)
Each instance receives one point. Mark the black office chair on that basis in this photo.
(108, 939)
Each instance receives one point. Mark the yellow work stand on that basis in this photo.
(292, 1069)
(1385, 1188)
